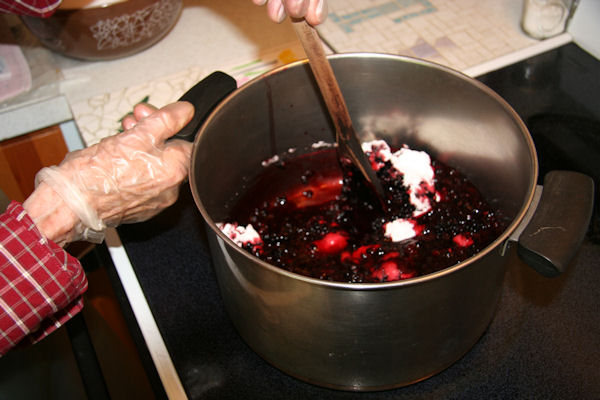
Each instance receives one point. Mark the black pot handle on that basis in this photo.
(205, 95)
(553, 235)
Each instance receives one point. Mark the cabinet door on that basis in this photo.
(22, 157)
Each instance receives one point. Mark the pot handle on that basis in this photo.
(205, 95)
(559, 223)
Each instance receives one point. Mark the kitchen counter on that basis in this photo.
(208, 36)
(236, 36)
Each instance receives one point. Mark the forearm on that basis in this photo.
(53, 218)
(125, 178)
(42, 284)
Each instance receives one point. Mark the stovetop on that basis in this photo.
(542, 342)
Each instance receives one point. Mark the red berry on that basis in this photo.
(387, 272)
(391, 270)
(361, 252)
(332, 243)
(462, 240)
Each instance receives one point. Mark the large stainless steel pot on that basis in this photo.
(377, 336)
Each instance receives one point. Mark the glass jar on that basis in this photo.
(545, 18)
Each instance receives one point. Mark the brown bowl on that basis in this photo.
(105, 30)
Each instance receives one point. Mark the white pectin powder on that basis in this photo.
(239, 234)
(415, 167)
(400, 229)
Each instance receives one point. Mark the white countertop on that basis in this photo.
(209, 35)
(237, 37)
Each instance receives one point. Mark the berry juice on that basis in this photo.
(311, 218)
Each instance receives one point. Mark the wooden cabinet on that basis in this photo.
(23, 156)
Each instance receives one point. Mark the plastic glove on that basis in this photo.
(314, 11)
(125, 178)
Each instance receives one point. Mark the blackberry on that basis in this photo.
(342, 238)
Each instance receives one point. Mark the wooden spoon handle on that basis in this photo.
(324, 76)
(349, 146)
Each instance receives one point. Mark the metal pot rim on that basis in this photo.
(495, 245)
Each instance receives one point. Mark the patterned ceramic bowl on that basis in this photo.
(105, 29)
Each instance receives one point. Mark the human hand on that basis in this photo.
(314, 11)
(140, 111)
(125, 178)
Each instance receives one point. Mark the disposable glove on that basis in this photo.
(314, 11)
(125, 178)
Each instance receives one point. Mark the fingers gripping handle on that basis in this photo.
(205, 95)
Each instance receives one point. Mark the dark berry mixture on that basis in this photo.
(312, 224)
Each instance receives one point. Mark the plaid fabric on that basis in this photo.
(40, 284)
(35, 8)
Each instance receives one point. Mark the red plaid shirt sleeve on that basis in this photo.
(35, 8)
(41, 286)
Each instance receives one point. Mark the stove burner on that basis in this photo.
(569, 142)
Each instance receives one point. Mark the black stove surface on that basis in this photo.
(557, 94)
(543, 342)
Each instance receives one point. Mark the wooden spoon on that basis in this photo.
(349, 147)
